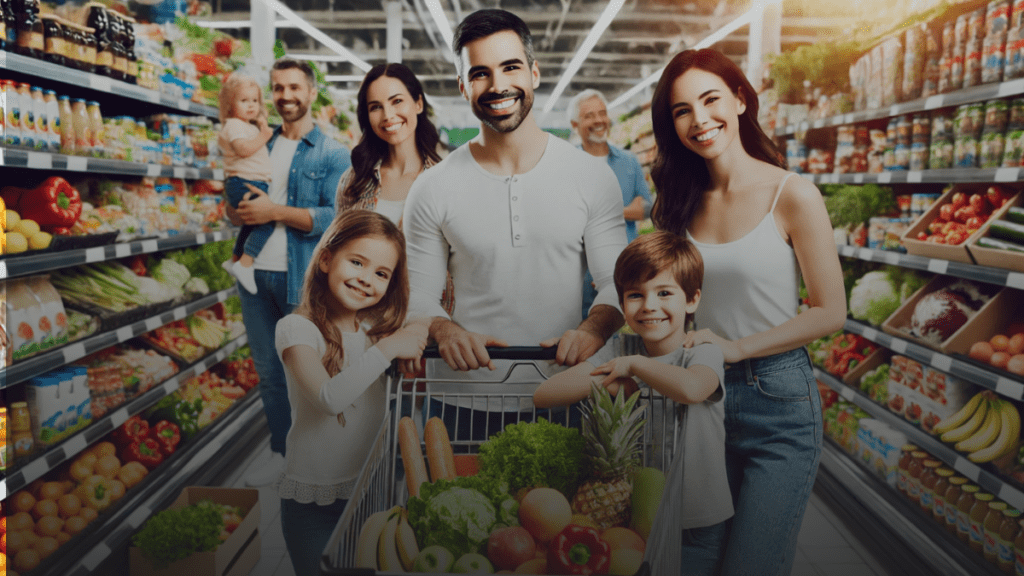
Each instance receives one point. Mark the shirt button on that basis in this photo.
(514, 198)
(515, 218)
(517, 236)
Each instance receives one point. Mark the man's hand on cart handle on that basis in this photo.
(575, 346)
(461, 349)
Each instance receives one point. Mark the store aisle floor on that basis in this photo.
(826, 547)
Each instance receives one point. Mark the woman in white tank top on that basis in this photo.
(721, 182)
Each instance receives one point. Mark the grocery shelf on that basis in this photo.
(43, 363)
(986, 274)
(965, 96)
(188, 466)
(54, 73)
(898, 531)
(943, 176)
(1011, 388)
(23, 158)
(45, 261)
(100, 428)
(989, 481)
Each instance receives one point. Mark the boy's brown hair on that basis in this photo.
(650, 254)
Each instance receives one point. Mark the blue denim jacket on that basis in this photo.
(317, 166)
(630, 174)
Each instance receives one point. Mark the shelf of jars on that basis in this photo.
(942, 176)
(32, 263)
(1010, 387)
(987, 274)
(21, 158)
(43, 363)
(70, 447)
(984, 477)
(103, 84)
(964, 96)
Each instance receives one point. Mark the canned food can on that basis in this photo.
(918, 156)
(1013, 149)
(991, 149)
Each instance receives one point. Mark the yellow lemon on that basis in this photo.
(3, 242)
(40, 240)
(11, 218)
(16, 242)
(27, 227)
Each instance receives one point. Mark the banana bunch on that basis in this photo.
(206, 333)
(986, 428)
(387, 542)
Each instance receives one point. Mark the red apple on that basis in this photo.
(509, 547)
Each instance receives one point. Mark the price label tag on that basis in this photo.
(35, 469)
(967, 468)
(1007, 174)
(849, 119)
(218, 236)
(804, 126)
(149, 246)
(139, 516)
(222, 295)
(96, 556)
(934, 102)
(153, 323)
(914, 177)
(99, 83)
(122, 250)
(819, 123)
(179, 172)
(894, 110)
(891, 258)
(153, 170)
(1009, 388)
(184, 104)
(153, 96)
(119, 417)
(77, 163)
(848, 393)
(40, 161)
(938, 266)
(171, 385)
(94, 255)
(3, 270)
(124, 333)
(898, 346)
(73, 352)
(885, 178)
(858, 178)
(942, 362)
(865, 254)
(3, 483)
(218, 174)
(74, 445)
(1010, 88)
(837, 120)
(870, 333)
(3, 59)
(1, 149)
(1015, 280)
(201, 238)
(179, 313)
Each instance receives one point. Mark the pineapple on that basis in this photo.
(612, 430)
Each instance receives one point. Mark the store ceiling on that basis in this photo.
(640, 40)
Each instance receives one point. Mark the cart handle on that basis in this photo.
(507, 352)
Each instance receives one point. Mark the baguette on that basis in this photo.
(412, 456)
(439, 450)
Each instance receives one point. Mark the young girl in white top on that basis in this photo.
(243, 143)
(335, 349)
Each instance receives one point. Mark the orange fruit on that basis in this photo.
(26, 560)
(51, 491)
(49, 526)
(69, 505)
(22, 501)
(20, 521)
(74, 525)
(47, 546)
(999, 342)
(63, 537)
(999, 359)
(44, 508)
(88, 513)
(1015, 345)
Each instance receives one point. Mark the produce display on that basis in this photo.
(876, 383)
(177, 533)
(1003, 351)
(1006, 233)
(877, 294)
(841, 352)
(196, 336)
(963, 215)
(941, 312)
(987, 428)
(525, 509)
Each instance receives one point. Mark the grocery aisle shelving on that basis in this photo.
(22, 158)
(987, 274)
(938, 176)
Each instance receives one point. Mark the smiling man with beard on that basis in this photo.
(305, 168)
(516, 216)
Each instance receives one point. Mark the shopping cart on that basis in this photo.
(381, 486)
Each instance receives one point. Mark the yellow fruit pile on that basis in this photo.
(18, 235)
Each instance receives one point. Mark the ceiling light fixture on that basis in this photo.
(317, 34)
(437, 13)
(745, 19)
(610, 11)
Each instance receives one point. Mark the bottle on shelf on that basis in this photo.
(11, 30)
(53, 119)
(96, 128)
(28, 116)
(132, 61)
(928, 480)
(41, 120)
(1008, 533)
(53, 40)
(80, 120)
(992, 525)
(30, 28)
(120, 58)
(12, 123)
(914, 475)
(67, 125)
(98, 18)
(939, 499)
(21, 429)
(953, 494)
(89, 48)
(963, 512)
(977, 515)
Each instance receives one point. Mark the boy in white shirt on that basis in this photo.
(658, 279)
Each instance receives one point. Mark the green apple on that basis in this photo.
(434, 559)
(473, 564)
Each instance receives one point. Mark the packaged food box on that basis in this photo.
(36, 318)
(59, 403)
(917, 408)
(878, 446)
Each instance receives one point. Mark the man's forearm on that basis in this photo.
(298, 218)
(603, 320)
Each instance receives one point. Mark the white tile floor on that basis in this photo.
(825, 546)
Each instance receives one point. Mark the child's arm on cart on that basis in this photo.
(574, 384)
(690, 385)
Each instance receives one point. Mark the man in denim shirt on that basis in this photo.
(588, 113)
(306, 166)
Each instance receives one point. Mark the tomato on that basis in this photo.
(946, 212)
(1015, 345)
(544, 512)
(996, 196)
(978, 202)
(981, 351)
(959, 200)
(999, 342)
(973, 223)
(509, 547)
(935, 226)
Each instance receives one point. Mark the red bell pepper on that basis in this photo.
(167, 435)
(145, 451)
(53, 204)
(578, 550)
(133, 430)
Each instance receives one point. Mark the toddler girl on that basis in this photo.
(335, 349)
(243, 143)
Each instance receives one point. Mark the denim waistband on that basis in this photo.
(775, 362)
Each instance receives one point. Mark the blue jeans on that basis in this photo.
(307, 529)
(260, 312)
(702, 550)
(251, 239)
(773, 445)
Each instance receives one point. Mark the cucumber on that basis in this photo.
(987, 242)
(1006, 230)
(1016, 214)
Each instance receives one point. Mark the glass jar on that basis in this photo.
(903, 466)
(953, 494)
(963, 511)
(53, 40)
(976, 516)
(96, 128)
(132, 61)
(1008, 532)
(30, 29)
(10, 25)
(914, 475)
(73, 43)
(98, 19)
(939, 501)
(991, 525)
(928, 480)
(120, 58)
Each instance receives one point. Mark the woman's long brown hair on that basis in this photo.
(317, 301)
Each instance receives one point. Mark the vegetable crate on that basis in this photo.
(381, 484)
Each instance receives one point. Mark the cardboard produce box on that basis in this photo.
(952, 252)
(236, 556)
(879, 356)
(1005, 308)
(992, 256)
(898, 324)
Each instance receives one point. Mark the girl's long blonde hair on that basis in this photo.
(317, 301)
(230, 89)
